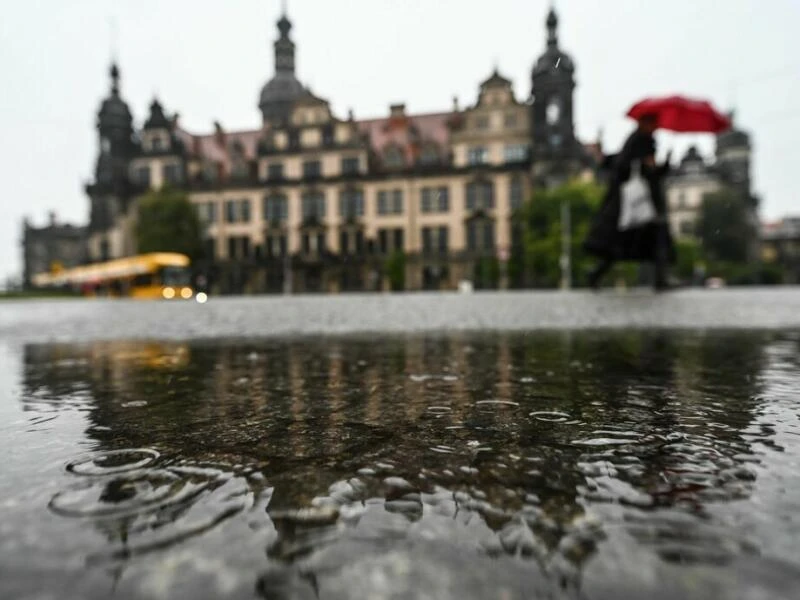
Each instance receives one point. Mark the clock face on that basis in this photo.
(553, 112)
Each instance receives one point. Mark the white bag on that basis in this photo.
(636, 204)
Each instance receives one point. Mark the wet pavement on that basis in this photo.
(585, 463)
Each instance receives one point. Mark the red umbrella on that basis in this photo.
(677, 113)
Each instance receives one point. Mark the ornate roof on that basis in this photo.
(496, 80)
(157, 118)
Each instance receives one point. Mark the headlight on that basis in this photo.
(186, 293)
(201, 297)
(168, 293)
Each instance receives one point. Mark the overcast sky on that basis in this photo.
(207, 60)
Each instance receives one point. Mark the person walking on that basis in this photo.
(625, 232)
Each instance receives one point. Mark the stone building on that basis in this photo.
(312, 201)
(51, 247)
(694, 177)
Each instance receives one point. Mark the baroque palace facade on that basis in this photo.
(313, 202)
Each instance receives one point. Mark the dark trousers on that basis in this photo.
(661, 261)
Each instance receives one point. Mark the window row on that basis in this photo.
(312, 169)
(481, 122)
(512, 153)
(480, 196)
(480, 235)
(171, 173)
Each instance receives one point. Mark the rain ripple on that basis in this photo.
(157, 505)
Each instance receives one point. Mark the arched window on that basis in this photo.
(480, 195)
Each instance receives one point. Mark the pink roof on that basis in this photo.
(217, 148)
(382, 132)
(386, 131)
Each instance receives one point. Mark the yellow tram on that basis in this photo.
(147, 276)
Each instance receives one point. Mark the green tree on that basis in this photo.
(541, 230)
(167, 222)
(487, 272)
(395, 267)
(689, 255)
(724, 226)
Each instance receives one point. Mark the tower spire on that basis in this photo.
(284, 46)
(552, 27)
(114, 72)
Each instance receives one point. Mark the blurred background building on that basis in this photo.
(312, 201)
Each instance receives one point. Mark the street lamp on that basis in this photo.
(566, 247)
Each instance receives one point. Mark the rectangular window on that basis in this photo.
(397, 202)
(238, 247)
(351, 204)
(477, 155)
(435, 200)
(515, 193)
(482, 122)
(276, 209)
(321, 243)
(313, 206)
(344, 247)
(426, 200)
(383, 241)
(230, 212)
(207, 212)
(383, 202)
(443, 199)
(306, 243)
(443, 241)
(515, 153)
(511, 120)
(427, 240)
(275, 245)
(173, 174)
(141, 175)
(350, 166)
(237, 211)
(275, 171)
(434, 240)
(312, 169)
(397, 240)
(390, 202)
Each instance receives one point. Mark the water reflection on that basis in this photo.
(537, 448)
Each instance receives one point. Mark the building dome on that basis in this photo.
(278, 94)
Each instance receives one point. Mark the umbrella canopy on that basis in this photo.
(685, 115)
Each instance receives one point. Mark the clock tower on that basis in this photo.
(556, 153)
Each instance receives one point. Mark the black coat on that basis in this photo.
(640, 243)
